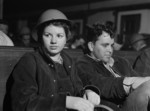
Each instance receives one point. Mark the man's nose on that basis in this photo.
(110, 49)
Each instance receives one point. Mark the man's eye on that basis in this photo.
(105, 45)
(112, 45)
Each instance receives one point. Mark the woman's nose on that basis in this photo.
(53, 40)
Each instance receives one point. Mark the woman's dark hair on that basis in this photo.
(41, 28)
(96, 30)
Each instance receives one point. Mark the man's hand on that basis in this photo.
(79, 104)
(92, 97)
(138, 81)
(133, 82)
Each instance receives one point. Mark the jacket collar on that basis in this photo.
(66, 59)
(114, 60)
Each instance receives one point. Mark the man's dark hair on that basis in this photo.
(96, 30)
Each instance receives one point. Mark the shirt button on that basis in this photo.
(54, 80)
(51, 65)
(69, 66)
(52, 95)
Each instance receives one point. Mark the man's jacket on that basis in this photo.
(93, 72)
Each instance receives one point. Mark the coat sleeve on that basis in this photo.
(111, 88)
(79, 89)
(142, 63)
(25, 91)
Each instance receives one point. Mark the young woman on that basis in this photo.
(46, 79)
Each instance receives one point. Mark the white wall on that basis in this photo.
(145, 20)
(108, 15)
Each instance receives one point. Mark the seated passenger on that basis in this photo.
(140, 43)
(46, 80)
(142, 63)
(5, 40)
(113, 75)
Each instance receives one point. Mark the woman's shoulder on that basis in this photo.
(29, 56)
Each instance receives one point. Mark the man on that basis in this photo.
(142, 63)
(113, 75)
(138, 42)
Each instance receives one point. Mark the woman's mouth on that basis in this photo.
(53, 47)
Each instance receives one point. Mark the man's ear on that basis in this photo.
(90, 46)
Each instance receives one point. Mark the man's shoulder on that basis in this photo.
(146, 50)
(85, 59)
(145, 53)
(119, 58)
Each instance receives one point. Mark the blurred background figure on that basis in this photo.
(117, 44)
(4, 27)
(76, 40)
(5, 40)
(138, 42)
(78, 43)
(25, 38)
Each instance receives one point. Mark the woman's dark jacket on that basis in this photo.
(37, 86)
(95, 73)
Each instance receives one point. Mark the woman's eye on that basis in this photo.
(46, 35)
(59, 36)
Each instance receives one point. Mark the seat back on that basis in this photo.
(9, 56)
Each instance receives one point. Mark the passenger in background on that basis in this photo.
(46, 80)
(4, 26)
(5, 40)
(76, 40)
(142, 63)
(117, 45)
(119, 84)
(138, 42)
(25, 38)
(78, 43)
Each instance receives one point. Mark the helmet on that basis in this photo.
(51, 15)
(136, 37)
